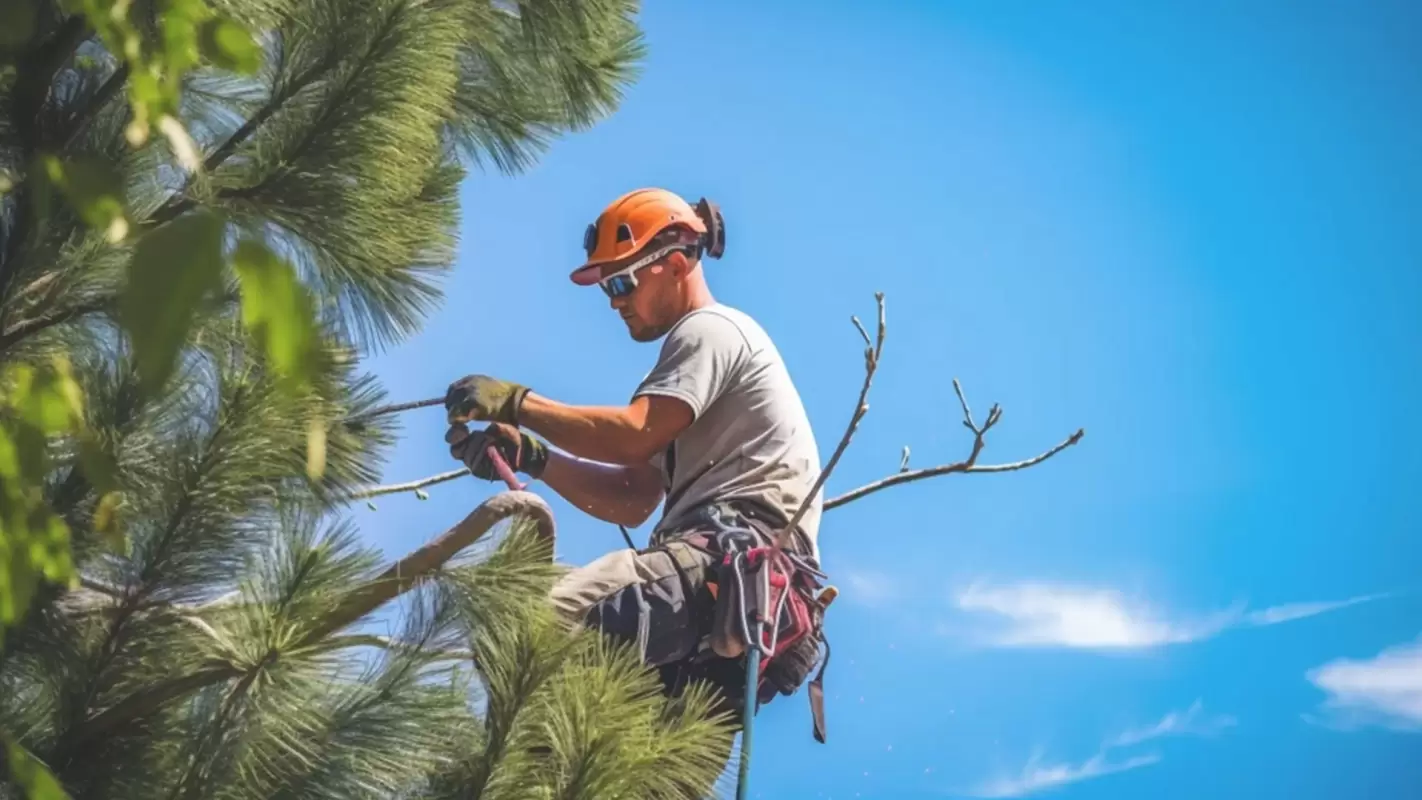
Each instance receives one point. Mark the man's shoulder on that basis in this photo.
(720, 321)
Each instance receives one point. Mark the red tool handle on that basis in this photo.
(502, 467)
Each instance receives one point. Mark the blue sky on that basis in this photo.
(1191, 229)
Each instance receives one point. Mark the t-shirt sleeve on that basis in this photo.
(697, 362)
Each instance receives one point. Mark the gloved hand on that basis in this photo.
(485, 399)
(522, 452)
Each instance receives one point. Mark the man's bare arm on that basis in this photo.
(625, 495)
(626, 435)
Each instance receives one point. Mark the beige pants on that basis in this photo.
(583, 587)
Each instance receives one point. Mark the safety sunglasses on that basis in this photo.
(624, 281)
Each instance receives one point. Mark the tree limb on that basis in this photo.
(396, 488)
(392, 645)
(396, 579)
(29, 327)
(969, 464)
(948, 469)
(106, 92)
(871, 365)
(872, 353)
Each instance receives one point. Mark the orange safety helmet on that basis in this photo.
(633, 221)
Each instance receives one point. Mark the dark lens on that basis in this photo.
(620, 286)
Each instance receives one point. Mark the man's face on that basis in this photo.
(651, 309)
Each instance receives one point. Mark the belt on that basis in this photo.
(734, 514)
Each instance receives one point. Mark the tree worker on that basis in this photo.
(716, 429)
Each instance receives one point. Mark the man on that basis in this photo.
(716, 429)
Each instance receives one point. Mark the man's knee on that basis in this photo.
(581, 588)
(655, 599)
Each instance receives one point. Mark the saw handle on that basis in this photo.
(502, 467)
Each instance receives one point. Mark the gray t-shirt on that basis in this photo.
(750, 436)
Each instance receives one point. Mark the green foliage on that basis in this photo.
(174, 268)
(35, 404)
(188, 31)
(279, 312)
(29, 774)
(175, 548)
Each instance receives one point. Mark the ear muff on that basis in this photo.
(715, 238)
(590, 238)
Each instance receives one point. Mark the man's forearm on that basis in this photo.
(613, 493)
(609, 434)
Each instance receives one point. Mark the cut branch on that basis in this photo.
(395, 580)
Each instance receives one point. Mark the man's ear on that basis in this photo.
(679, 264)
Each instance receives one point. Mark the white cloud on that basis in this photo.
(1042, 614)
(1385, 689)
(1191, 722)
(1036, 776)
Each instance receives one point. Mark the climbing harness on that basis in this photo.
(768, 607)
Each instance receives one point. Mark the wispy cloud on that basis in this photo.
(1292, 611)
(1037, 776)
(1056, 615)
(1193, 721)
(868, 587)
(1384, 690)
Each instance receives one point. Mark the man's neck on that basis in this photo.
(698, 295)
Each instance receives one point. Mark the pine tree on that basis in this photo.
(220, 640)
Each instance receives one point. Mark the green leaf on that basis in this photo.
(279, 312)
(173, 269)
(229, 46)
(32, 776)
(95, 190)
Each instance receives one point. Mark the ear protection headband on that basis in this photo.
(715, 238)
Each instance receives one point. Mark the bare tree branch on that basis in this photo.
(967, 465)
(871, 365)
(872, 352)
(393, 408)
(396, 488)
(393, 645)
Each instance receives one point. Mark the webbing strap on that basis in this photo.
(816, 692)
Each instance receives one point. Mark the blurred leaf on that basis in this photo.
(316, 449)
(17, 22)
(35, 404)
(173, 269)
(106, 516)
(278, 311)
(184, 148)
(32, 776)
(95, 190)
(228, 45)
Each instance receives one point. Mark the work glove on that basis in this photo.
(483, 399)
(522, 452)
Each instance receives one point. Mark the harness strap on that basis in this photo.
(816, 691)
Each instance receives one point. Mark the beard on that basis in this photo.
(662, 320)
(646, 333)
